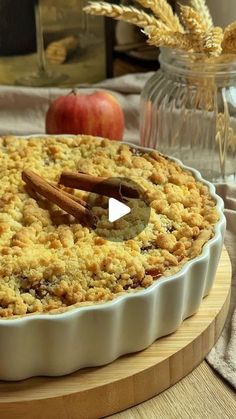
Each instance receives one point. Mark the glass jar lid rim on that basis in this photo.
(200, 62)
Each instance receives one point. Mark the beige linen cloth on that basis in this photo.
(22, 111)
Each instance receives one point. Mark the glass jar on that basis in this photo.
(188, 111)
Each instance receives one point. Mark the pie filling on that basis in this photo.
(50, 261)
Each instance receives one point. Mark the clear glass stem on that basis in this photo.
(42, 76)
(85, 17)
(39, 39)
(224, 146)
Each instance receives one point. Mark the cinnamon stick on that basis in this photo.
(113, 188)
(31, 192)
(58, 197)
(75, 198)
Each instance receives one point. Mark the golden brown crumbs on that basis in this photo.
(49, 261)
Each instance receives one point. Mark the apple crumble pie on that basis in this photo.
(49, 260)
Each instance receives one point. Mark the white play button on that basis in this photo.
(117, 210)
(123, 217)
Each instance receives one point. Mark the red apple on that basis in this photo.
(97, 114)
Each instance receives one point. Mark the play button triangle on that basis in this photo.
(116, 210)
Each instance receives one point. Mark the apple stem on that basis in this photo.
(73, 92)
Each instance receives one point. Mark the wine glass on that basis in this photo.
(43, 76)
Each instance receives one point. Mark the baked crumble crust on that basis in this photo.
(49, 261)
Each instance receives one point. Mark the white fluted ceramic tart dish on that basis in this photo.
(71, 299)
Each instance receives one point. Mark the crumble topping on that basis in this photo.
(49, 261)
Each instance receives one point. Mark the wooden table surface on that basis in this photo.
(202, 394)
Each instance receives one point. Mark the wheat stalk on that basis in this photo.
(165, 29)
(168, 38)
(193, 23)
(128, 14)
(203, 10)
(163, 10)
(229, 40)
(212, 41)
(192, 20)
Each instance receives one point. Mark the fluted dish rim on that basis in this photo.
(69, 312)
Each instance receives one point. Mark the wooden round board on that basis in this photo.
(132, 379)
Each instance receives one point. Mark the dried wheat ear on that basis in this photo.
(193, 31)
